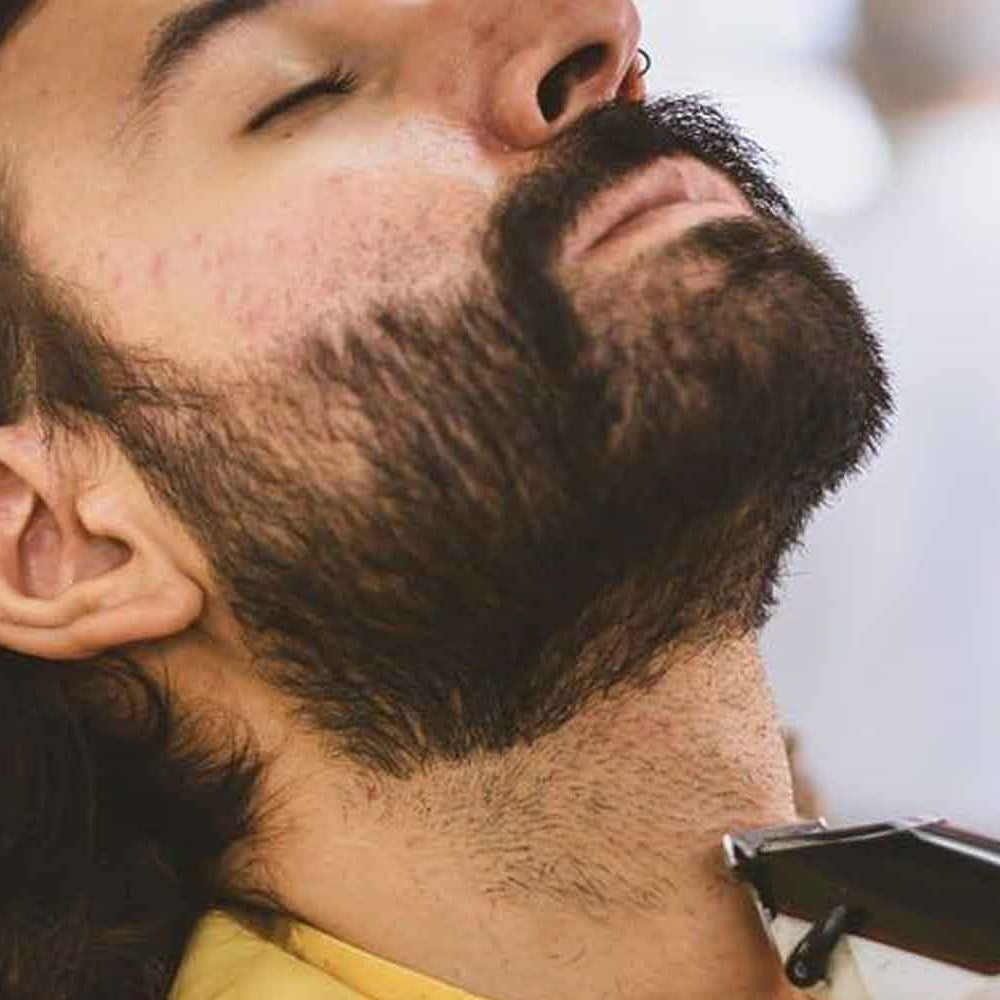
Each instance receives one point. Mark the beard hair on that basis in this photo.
(455, 531)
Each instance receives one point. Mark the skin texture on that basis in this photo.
(582, 856)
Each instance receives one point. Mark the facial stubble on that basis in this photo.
(451, 528)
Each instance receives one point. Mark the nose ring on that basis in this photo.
(647, 62)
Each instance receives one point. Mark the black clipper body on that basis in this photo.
(902, 910)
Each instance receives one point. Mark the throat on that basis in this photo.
(588, 865)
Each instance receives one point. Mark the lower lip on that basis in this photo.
(667, 222)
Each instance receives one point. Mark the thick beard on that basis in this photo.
(454, 533)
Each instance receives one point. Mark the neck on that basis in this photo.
(586, 866)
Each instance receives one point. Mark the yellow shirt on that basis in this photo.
(231, 959)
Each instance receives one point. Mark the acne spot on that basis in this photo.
(448, 88)
(198, 240)
(117, 281)
(485, 34)
(157, 268)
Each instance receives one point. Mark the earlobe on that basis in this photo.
(81, 572)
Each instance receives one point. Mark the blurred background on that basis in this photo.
(883, 118)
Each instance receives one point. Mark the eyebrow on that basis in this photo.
(181, 35)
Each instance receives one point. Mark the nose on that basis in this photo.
(556, 60)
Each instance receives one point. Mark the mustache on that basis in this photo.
(603, 148)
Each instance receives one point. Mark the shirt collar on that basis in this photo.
(367, 974)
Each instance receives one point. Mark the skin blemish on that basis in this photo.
(448, 88)
(157, 268)
(484, 35)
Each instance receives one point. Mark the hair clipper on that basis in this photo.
(901, 910)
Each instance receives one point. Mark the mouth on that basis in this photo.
(664, 200)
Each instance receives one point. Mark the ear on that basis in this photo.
(86, 564)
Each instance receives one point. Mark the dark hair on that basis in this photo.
(11, 13)
(114, 810)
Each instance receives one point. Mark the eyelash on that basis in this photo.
(337, 82)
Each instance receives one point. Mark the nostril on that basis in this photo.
(554, 90)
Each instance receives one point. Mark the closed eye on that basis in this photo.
(337, 82)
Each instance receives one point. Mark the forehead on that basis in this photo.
(68, 66)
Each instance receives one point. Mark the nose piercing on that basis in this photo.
(647, 62)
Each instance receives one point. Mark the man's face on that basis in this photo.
(212, 233)
(460, 464)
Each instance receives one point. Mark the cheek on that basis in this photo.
(211, 290)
